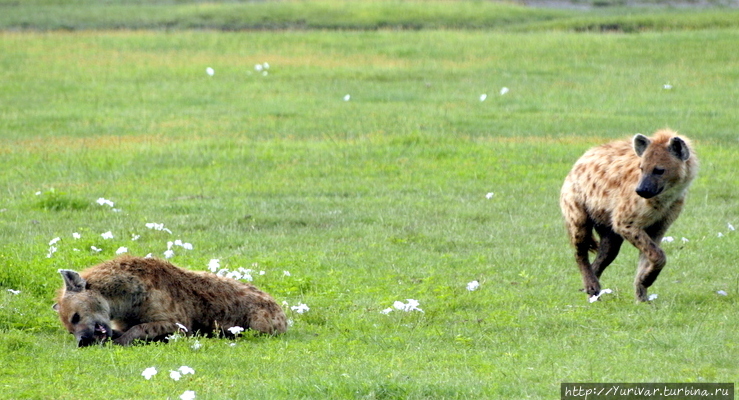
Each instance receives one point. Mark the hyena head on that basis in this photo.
(84, 312)
(663, 164)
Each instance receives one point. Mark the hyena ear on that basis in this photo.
(641, 143)
(679, 148)
(73, 280)
(55, 307)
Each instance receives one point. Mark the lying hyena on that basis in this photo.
(631, 191)
(131, 298)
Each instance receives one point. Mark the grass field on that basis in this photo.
(409, 188)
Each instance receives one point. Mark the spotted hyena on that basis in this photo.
(631, 191)
(130, 298)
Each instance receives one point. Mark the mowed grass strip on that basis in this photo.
(364, 202)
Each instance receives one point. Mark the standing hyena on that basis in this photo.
(132, 298)
(624, 192)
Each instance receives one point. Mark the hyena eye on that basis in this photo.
(658, 171)
(75, 319)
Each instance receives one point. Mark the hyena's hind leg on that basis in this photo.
(582, 239)
(580, 229)
(608, 248)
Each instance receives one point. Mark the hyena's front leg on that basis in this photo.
(146, 332)
(651, 261)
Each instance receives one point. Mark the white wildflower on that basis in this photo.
(121, 250)
(412, 305)
(668, 239)
(472, 286)
(667, 86)
(685, 240)
(149, 256)
(184, 370)
(214, 264)
(104, 202)
(246, 274)
(149, 372)
(197, 345)
(168, 254)
(14, 291)
(135, 237)
(210, 71)
(157, 227)
(76, 235)
(720, 234)
(483, 97)
(503, 90)
(652, 296)
(188, 395)
(489, 195)
(95, 249)
(300, 308)
(175, 375)
(258, 67)
(387, 311)
(233, 275)
(595, 298)
(54, 241)
(235, 330)
(347, 97)
(52, 250)
(286, 273)
(731, 227)
(722, 293)
(107, 235)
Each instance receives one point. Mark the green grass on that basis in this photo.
(365, 202)
(356, 15)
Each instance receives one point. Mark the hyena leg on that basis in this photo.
(650, 267)
(147, 331)
(580, 229)
(610, 244)
(651, 261)
(589, 280)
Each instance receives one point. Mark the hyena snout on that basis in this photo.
(96, 333)
(650, 186)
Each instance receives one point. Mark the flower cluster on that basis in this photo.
(214, 266)
(300, 308)
(411, 305)
(176, 375)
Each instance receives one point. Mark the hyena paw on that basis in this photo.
(592, 288)
(641, 294)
